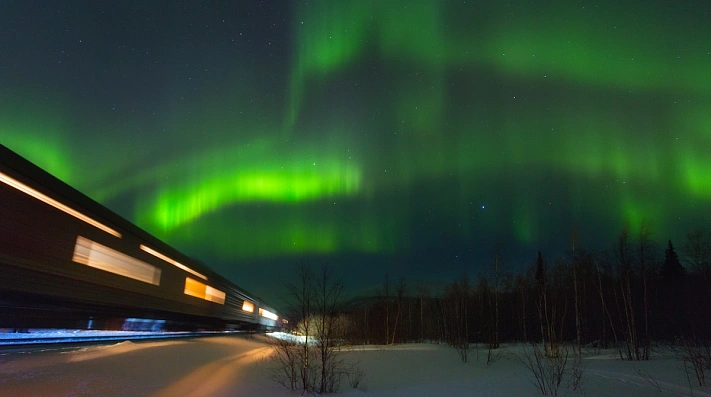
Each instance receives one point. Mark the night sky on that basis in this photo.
(380, 136)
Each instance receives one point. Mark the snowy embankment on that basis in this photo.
(239, 366)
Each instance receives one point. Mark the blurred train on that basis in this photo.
(68, 262)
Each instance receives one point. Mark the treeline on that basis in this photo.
(628, 296)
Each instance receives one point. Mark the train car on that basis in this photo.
(67, 261)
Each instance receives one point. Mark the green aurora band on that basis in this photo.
(201, 194)
(592, 114)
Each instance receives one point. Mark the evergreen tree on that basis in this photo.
(671, 272)
(671, 294)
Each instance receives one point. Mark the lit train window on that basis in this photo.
(214, 295)
(248, 306)
(267, 314)
(202, 291)
(93, 254)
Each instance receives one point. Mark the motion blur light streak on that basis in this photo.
(267, 314)
(56, 204)
(171, 261)
(93, 254)
(203, 291)
(214, 295)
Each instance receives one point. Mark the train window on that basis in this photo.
(93, 254)
(203, 291)
(194, 288)
(214, 295)
(248, 306)
(267, 314)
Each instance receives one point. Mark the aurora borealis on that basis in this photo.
(408, 137)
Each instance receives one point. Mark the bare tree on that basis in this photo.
(550, 294)
(695, 353)
(545, 317)
(300, 300)
(697, 250)
(329, 300)
(385, 297)
(423, 293)
(578, 326)
(624, 259)
(400, 293)
(645, 256)
(286, 358)
(633, 283)
(606, 310)
(311, 362)
(697, 255)
(459, 306)
(522, 286)
(548, 371)
(494, 341)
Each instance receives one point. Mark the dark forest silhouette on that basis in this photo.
(631, 297)
(627, 296)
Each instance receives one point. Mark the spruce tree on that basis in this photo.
(671, 272)
(671, 294)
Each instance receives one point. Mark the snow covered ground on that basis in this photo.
(433, 370)
(239, 366)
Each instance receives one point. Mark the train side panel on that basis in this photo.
(49, 254)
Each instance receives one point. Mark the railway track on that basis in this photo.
(32, 342)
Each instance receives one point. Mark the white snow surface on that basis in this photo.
(240, 366)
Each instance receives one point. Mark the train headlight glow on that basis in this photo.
(56, 204)
(171, 261)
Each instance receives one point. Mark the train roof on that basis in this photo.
(47, 183)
